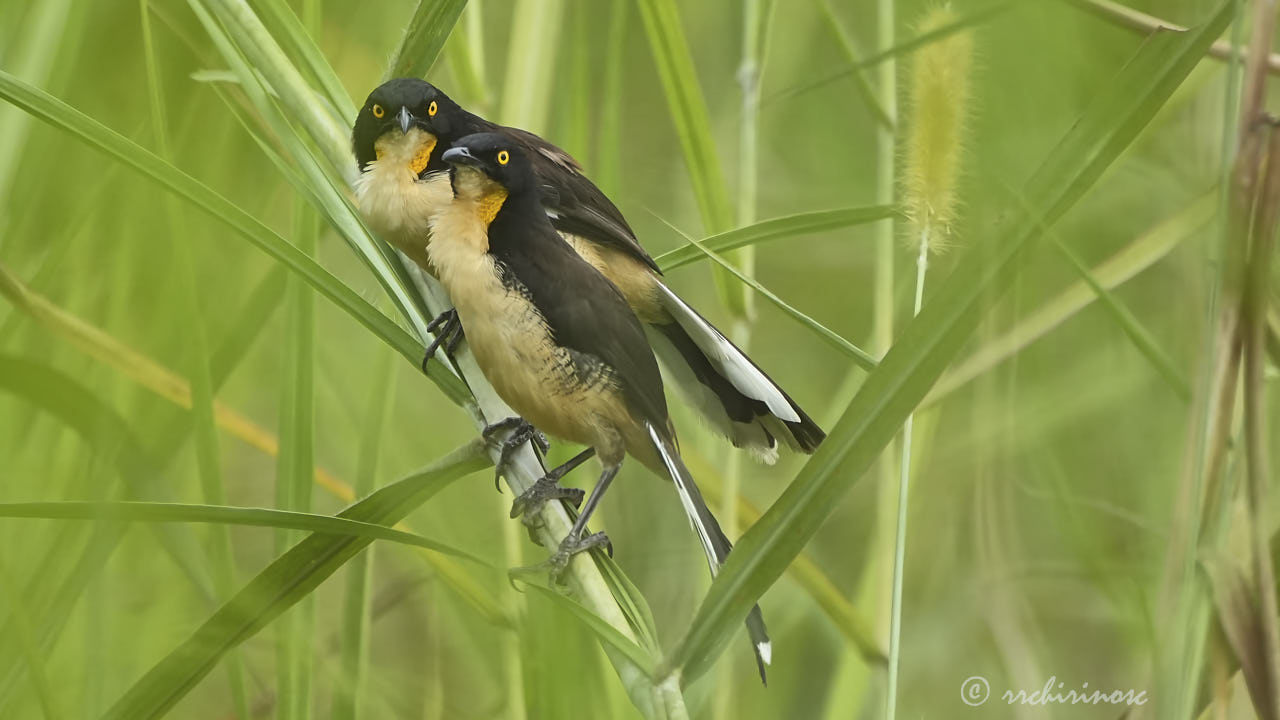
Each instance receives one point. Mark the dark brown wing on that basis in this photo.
(575, 204)
(585, 312)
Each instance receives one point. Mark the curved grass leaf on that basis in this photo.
(52, 596)
(356, 612)
(776, 229)
(860, 356)
(16, 605)
(425, 34)
(286, 581)
(689, 114)
(608, 634)
(1120, 110)
(163, 382)
(59, 114)
(838, 609)
(975, 17)
(1143, 252)
(1142, 339)
(134, 511)
(286, 24)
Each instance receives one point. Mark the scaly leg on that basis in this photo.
(574, 542)
(528, 504)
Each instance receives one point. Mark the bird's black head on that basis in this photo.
(409, 117)
(493, 157)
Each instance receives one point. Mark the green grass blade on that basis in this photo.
(1141, 338)
(53, 596)
(282, 585)
(1120, 110)
(250, 320)
(465, 53)
(779, 228)
(689, 114)
(861, 357)
(531, 63)
(208, 465)
(1124, 317)
(270, 60)
(284, 23)
(355, 615)
(17, 609)
(602, 630)
(866, 93)
(1143, 252)
(425, 34)
(976, 17)
(159, 512)
(295, 468)
(608, 167)
(59, 114)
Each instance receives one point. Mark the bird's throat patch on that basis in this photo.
(490, 203)
(423, 156)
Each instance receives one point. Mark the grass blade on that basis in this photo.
(778, 228)
(861, 357)
(65, 117)
(295, 468)
(303, 46)
(159, 512)
(602, 630)
(866, 93)
(429, 27)
(355, 618)
(689, 114)
(1122, 107)
(166, 384)
(1139, 255)
(16, 606)
(208, 465)
(976, 17)
(282, 585)
(531, 63)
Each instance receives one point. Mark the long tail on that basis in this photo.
(714, 543)
(739, 399)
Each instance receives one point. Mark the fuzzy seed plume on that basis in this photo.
(938, 102)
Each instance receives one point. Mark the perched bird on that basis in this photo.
(399, 138)
(555, 338)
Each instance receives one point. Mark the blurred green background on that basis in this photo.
(1043, 483)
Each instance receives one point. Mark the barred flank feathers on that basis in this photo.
(939, 98)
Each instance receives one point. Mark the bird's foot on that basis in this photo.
(520, 433)
(559, 562)
(448, 333)
(528, 504)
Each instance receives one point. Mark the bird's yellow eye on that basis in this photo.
(503, 157)
(433, 109)
(378, 111)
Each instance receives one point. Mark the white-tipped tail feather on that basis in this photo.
(714, 543)
(726, 358)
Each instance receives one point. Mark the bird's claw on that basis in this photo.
(521, 433)
(448, 333)
(559, 562)
(528, 504)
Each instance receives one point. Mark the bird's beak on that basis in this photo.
(406, 119)
(460, 156)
